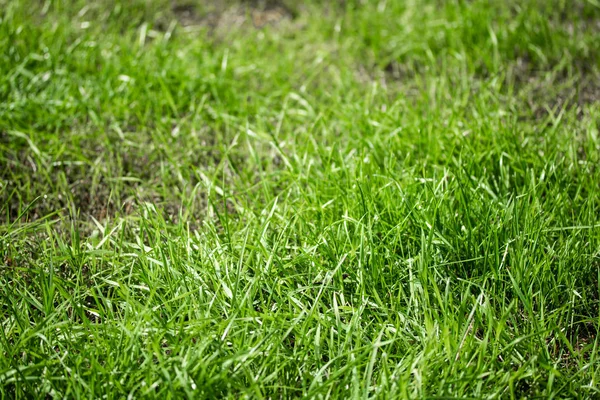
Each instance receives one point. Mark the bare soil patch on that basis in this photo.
(222, 16)
(544, 92)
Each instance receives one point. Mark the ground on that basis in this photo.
(330, 199)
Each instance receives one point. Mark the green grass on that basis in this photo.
(343, 199)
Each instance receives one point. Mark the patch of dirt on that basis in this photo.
(67, 189)
(581, 337)
(580, 14)
(62, 188)
(186, 14)
(222, 16)
(398, 71)
(547, 92)
(117, 184)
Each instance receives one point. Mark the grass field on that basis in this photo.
(334, 199)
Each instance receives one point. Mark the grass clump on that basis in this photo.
(327, 199)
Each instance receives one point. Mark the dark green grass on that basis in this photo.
(332, 199)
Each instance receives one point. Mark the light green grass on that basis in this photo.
(393, 199)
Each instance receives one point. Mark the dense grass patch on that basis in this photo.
(271, 199)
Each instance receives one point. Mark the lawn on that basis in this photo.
(278, 199)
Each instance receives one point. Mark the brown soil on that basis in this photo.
(219, 16)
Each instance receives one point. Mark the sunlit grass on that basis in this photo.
(334, 199)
